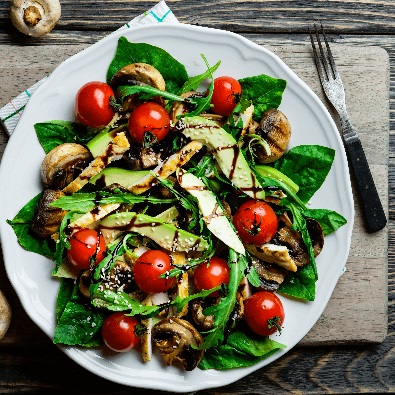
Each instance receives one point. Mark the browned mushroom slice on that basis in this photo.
(178, 341)
(203, 322)
(138, 74)
(270, 276)
(316, 234)
(85, 282)
(63, 164)
(276, 130)
(47, 219)
(273, 253)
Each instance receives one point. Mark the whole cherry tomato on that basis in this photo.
(212, 274)
(86, 245)
(147, 269)
(92, 104)
(255, 222)
(149, 117)
(118, 332)
(226, 94)
(264, 313)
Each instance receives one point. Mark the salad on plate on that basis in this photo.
(175, 214)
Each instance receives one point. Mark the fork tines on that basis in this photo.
(329, 74)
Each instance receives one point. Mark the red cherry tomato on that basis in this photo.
(118, 332)
(207, 276)
(255, 222)
(92, 104)
(149, 117)
(226, 94)
(264, 313)
(86, 244)
(147, 269)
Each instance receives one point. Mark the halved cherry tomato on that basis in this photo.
(149, 117)
(264, 313)
(118, 332)
(226, 94)
(212, 274)
(255, 222)
(92, 104)
(86, 245)
(147, 269)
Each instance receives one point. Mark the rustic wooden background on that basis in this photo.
(28, 360)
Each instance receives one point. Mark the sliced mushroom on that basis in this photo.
(288, 249)
(276, 130)
(178, 341)
(63, 164)
(203, 322)
(270, 276)
(35, 17)
(85, 282)
(119, 278)
(149, 158)
(47, 219)
(138, 74)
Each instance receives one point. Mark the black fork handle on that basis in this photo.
(372, 207)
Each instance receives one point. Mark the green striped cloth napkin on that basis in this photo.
(12, 111)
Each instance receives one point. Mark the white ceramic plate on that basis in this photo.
(30, 274)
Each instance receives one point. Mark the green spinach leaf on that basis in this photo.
(329, 220)
(21, 226)
(50, 134)
(241, 349)
(307, 166)
(173, 72)
(79, 324)
(263, 91)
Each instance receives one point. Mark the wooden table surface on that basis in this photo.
(30, 363)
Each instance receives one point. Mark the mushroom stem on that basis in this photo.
(32, 15)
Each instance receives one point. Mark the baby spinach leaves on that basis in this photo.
(173, 72)
(263, 91)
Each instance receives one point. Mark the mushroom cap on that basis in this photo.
(5, 315)
(35, 17)
(59, 165)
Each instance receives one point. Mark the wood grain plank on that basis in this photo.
(36, 366)
(275, 16)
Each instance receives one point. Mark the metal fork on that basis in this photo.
(334, 90)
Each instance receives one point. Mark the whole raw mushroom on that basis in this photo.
(5, 315)
(35, 17)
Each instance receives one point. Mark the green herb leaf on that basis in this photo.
(84, 202)
(194, 82)
(173, 72)
(223, 310)
(149, 92)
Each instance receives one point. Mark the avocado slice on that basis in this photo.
(116, 175)
(99, 143)
(213, 214)
(227, 153)
(166, 235)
